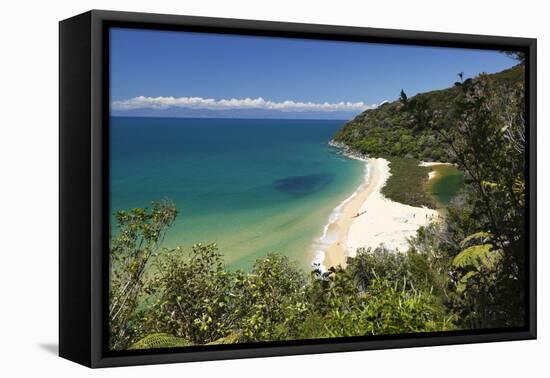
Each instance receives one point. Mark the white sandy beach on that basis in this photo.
(380, 221)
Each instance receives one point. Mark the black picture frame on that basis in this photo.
(84, 179)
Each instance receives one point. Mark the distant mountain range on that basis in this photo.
(234, 113)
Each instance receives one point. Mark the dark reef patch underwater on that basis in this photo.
(252, 186)
(302, 185)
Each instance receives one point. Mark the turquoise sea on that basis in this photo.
(253, 186)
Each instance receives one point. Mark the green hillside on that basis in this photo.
(411, 127)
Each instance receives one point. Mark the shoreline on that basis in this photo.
(367, 219)
(433, 173)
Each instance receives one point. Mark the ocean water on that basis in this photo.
(253, 186)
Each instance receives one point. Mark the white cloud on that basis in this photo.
(142, 102)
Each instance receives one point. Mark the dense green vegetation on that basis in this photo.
(467, 272)
(408, 183)
(411, 127)
(191, 299)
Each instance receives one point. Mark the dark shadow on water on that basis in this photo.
(51, 348)
(302, 185)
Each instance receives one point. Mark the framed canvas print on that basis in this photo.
(233, 188)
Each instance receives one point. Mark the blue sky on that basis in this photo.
(175, 72)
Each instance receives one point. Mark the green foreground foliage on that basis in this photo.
(467, 272)
(193, 300)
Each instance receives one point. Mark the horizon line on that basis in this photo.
(235, 118)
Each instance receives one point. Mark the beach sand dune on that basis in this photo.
(369, 219)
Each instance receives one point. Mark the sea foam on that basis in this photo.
(321, 245)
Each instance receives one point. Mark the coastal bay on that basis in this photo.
(252, 186)
(248, 207)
